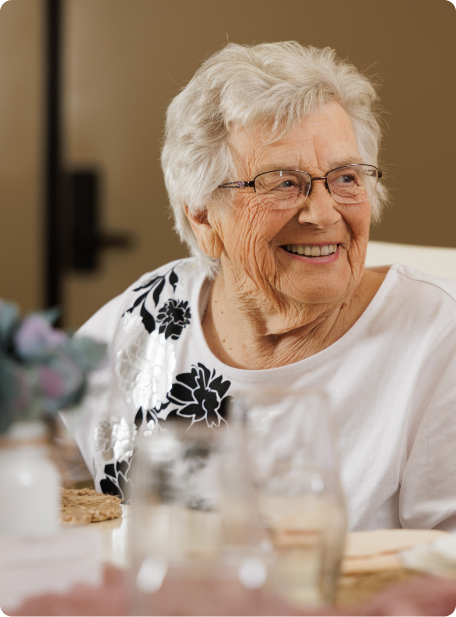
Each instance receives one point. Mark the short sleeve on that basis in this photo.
(102, 325)
(80, 420)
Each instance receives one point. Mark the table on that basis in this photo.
(361, 578)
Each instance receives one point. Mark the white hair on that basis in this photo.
(274, 84)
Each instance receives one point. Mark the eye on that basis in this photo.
(282, 184)
(346, 179)
(287, 184)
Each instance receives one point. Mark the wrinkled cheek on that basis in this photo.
(264, 266)
(253, 255)
(357, 255)
(246, 243)
(261, 257)
(357, 218)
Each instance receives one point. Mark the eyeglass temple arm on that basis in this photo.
(240, 184)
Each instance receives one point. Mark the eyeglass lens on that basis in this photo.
(287, 189)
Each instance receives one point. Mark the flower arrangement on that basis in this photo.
(42, 369)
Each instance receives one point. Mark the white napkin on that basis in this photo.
(47, 564)
(438, 558)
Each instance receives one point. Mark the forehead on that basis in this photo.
(320, 142)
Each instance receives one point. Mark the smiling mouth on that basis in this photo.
(311, 250)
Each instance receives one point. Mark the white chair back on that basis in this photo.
(431, 259)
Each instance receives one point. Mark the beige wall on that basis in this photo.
(126, 59)
(114, 103)
(21, 234)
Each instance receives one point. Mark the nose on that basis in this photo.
(319, 208)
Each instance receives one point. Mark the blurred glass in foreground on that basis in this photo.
(196, 542)
(292, 450)
(227, 520)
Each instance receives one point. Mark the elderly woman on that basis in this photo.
(270, 161)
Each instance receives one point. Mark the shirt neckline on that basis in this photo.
(350, 337)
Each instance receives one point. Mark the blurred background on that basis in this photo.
(84, 87)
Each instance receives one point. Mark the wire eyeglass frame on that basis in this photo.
(252, 183)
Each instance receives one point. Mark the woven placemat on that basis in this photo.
(83, 506)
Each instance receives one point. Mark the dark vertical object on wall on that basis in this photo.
(53, 188)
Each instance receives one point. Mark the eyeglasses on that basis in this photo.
(288, 188)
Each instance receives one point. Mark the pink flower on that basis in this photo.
(22, 389)
(36, 338)
(52, 383)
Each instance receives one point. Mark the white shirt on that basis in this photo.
(391, 379)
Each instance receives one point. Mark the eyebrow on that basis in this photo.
(277, 166)
(353, 160)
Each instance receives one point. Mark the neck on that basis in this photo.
(249, 330)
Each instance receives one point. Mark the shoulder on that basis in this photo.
(176, 280)
(417, 302)
(429, 286)
(432, 297)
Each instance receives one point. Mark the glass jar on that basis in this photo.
(29, 482)
(292, 448)
(195, 537)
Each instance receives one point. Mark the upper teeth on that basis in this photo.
(312, 251)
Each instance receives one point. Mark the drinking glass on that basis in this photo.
(291, 443)
(195, 534)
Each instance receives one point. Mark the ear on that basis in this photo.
(208, 239)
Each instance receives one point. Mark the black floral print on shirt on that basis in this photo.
(173, 318)
(196, 396)
(117, 481)
(200, 395)
(156, 286)
(146, 420)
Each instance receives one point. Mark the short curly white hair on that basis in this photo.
(275, 84)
